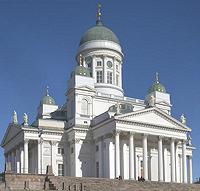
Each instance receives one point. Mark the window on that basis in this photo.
(97, 169)
(99, 63)
(60, 151)
(84, 107)
(109, 77)
(60, 170)
(97, 148)
(72, 150)
(117, 67)
(99, 76)
(117, 79)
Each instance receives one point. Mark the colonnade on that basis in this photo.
(19, 157)
(185, 179)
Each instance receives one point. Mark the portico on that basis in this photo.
(147, 145)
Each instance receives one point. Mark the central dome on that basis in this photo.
(99, 32)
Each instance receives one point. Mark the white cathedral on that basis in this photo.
(99, 132)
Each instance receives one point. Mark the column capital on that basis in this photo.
(26, 141)
(117, 132)
(40, 141)
(131, 133)
(160, 137)
(53, 143)
(172, 139)
(145, 135)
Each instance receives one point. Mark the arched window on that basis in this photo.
(84, 107)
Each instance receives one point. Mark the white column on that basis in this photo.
(117, 154)
(21, 160)
(26, 155)
(100, 158)
(145, 159)
(160, 159)
(177, 163)
(184, 161)
(172, 161)
(131, 156)
(104, 70)
(17, 160)
(53, 156)
(190, 169)
(13, 161)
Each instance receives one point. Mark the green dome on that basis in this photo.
(82, 71)
(157, 86)
(99, 32)
(48, 100)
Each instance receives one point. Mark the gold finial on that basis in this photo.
(98, 14)
(157, 77)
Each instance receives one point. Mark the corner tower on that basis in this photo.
(102, 56)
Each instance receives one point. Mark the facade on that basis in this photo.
(99, 132)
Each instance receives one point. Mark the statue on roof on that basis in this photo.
(14, 118)
(189, 140)
(183, 119)
(151, 101)
(25, 119)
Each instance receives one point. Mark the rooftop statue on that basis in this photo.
(151, 101)
(25, 119)
(183, 119)
(14, 118)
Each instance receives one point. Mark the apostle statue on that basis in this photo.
(183, 119)
(25, 119)
(151, 101)
(14, 118)
(189, 140)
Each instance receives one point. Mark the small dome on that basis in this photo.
(157, 86)
(82, 71)
(99, 32)
(47, 99)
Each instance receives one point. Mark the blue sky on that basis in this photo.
(39, 40)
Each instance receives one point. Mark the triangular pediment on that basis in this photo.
(11, 132)
(153, 116)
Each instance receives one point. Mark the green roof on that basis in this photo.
(99, 32)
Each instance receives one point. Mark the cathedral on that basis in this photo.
(98, 131)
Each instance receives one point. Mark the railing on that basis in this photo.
(121, 98)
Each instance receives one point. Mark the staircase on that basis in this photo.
(100, 184)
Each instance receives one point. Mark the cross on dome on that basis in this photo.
(98, 21)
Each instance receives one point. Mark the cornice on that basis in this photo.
(149, 125)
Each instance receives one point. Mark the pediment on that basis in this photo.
(153, 116)
(11, 132)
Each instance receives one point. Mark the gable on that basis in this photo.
(151, 118)
(11, 132)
